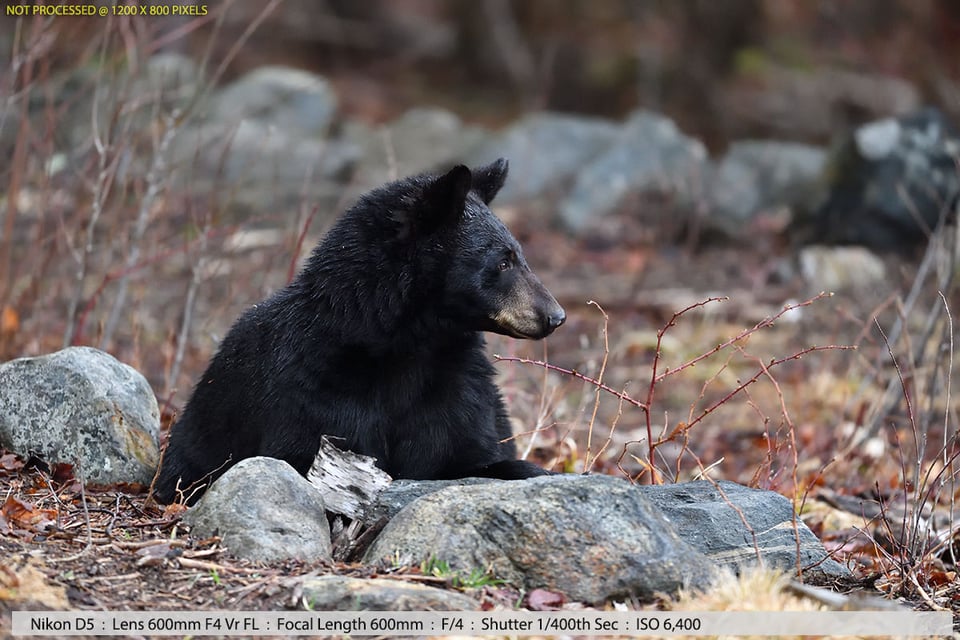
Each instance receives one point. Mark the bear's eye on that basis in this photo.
(507, 262)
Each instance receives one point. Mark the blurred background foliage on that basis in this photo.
(721, 70)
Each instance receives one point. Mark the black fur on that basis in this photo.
(376, 344)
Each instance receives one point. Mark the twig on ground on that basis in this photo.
(86, 519)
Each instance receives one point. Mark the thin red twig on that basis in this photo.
(576, 374)
(766, 322)
(292, 269)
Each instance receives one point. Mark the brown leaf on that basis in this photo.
(939, 577)
(154, 555)
(61, 472)
(8, 577)
(10, 462)
(174, 510)
(9, 321)
(23, 516)
(545, 600)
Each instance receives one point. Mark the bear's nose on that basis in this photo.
(556, 318)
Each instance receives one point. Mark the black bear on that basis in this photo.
(376, 344)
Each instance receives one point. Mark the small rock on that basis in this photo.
(264, 510)
(841, 268)
(546, 151)
(877, 140)
(82, 407)
(339, 593)
(650, 155)
(590, 537)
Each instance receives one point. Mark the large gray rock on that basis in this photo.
(400, 493)
(545, 150)
(591, 537)
(170, 78)
(888, 183)
(267, 168)
(267, 137)
(650, 156)
(757, 175)
(706, 519)
(264, 510)
(132, 104)
(419, 140)
(340, 593)
(83, 407)
(297, 101)
(695, 512)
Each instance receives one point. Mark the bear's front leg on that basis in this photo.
(509, 470)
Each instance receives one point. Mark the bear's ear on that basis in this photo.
(445, 199)
(488, 180)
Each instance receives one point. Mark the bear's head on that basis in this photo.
(487, 284)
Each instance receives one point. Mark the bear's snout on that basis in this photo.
(555, 317)
(545, 307)
(552, 316)
(529, 311)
